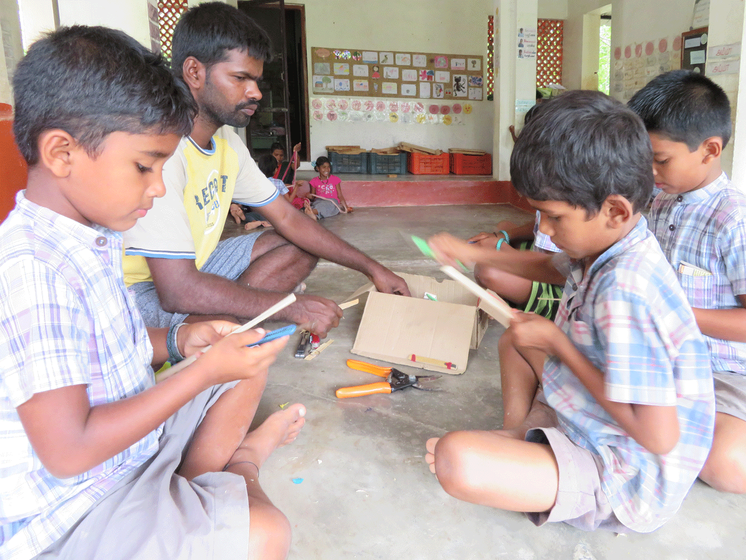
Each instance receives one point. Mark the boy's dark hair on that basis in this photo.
(90, 82)
(267, 164)
(276, 146)
(685, 107)
(581, 148)
(208, 31)
(321, 161)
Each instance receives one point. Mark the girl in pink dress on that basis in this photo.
(326, 192)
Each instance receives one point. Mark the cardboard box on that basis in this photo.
(394, 327)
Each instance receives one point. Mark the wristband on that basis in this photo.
(505, 235)
(174, 356)
(499, 242)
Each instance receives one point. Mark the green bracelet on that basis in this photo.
(505, 234)
(499, 242)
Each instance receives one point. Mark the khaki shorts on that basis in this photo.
(155, 513)
(580, 500)
(730, 393)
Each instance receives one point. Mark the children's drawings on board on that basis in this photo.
(321, 68)
(474, 64)
(440, 61)
(419, 60)
(360, 85)
(438, 91)
(323, 84)
(341, 84)
(386, 57)
(403, 59)
(475, 94)
(425, 90)
(442, 76)
(409, 90)
(390, 73)
(370, 57)
(360, 70)
(389, 88)
(341, 69)
(427, 75)
(459, 86)
(458, 64)
(409, 75)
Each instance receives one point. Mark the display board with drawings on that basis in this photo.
(415, 75)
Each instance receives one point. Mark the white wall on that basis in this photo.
(552, 9)
(442, 26)
(11, 49)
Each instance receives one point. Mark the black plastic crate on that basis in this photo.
(349, 163)
(387, 164)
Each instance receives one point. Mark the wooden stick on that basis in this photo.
(282, 304)
(313, 353)
(347, 304)
(432, 361)
(496, 306)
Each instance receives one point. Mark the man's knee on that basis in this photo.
(725, 469)
(270, 534)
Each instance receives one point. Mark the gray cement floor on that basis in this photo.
(366, 491)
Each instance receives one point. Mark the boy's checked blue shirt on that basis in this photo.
(630, 318)
(707, 228)
(65, 319)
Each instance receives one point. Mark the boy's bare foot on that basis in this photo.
(266, 224)
(277, 430)
(430, 455)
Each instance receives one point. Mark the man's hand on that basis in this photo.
(296, 148)
(237, 213)
(387, 282)
(537, 332)
(315, 314)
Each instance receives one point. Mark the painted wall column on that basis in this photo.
(515, 78)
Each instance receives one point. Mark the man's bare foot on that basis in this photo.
(277, 430)
(252, 225)
(430, 455)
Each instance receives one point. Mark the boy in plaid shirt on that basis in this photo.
(96, 459)
(609, 411)
(700, 222)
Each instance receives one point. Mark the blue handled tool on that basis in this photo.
(275, 334)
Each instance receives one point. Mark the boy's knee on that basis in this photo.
(506, 341)
(269, 532)
(453, 462)
(725, 470)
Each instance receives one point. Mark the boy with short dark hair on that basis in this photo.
(608, 413)
(700, 222)
(97, 460)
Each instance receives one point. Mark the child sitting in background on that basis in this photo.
(251, 218)
(700, 222)
(285, 170)
(530, 296)
(326, 190)
(99, 461)
(608, 411)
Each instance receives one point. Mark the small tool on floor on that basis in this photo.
(304, 345)
(395, 381)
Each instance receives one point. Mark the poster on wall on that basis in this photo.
(527, 43)
(360, 72)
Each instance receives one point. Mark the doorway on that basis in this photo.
(283, 113)
(596, 57)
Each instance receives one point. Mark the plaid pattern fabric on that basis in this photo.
(65, 319)
(706, 228)
(630, 318)
(542, 241)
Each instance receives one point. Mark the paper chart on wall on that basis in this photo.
(425, 90)
(389, 88)
(360, 70)
(390, 72)
(419, 60)
(409, 75)
(403, 59)
(341, 69)
(386, 57)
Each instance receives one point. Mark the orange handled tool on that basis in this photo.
(395, 380)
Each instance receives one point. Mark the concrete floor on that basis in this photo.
(366, 491)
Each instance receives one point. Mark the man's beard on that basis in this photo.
(235, 117)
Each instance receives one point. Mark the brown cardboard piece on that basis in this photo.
(394, 327)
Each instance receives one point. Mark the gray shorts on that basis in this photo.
(730, 393)
(230, 259)
(581, 501)
(155, 513)
(325, 208)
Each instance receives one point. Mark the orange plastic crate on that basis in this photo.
(464, 164)
(423, 164)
